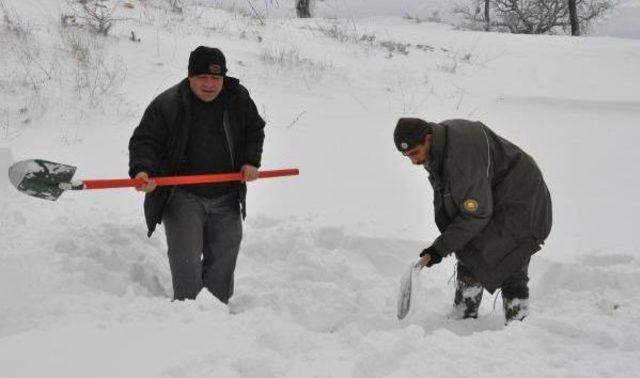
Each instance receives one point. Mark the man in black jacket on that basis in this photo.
(491, 204)
(207, 123)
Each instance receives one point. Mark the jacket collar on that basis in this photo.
(438, 142)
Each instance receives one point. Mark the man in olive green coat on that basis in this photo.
(491, 204)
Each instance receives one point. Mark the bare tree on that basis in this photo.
(487, 15)
(573, 17)
(177, 6)
(589, 11)
(99, 15)
(530, 16)
(474, 15)
(303, 8)
(534, 16)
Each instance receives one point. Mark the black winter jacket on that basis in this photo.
(158, 144)
(491, 203)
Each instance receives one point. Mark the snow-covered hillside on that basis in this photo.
(623, 21)
(84, 292)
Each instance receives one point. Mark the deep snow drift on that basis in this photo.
(83, 292)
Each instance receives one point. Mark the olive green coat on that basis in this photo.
(491, 203)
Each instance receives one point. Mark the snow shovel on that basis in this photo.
(48, 180)
(404, 296)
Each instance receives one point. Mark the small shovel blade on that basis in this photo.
(404, 295)
(40, 178)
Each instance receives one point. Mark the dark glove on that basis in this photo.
(435, 256)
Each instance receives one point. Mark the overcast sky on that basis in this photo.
(624, 22)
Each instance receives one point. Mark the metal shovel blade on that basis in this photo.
(40, 178)
(404, 295)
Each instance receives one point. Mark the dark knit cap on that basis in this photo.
(207, 61)
(410, 132)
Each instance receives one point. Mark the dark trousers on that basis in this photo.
(515, 286)
(203, 237)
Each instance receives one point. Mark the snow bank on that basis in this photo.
(83, 292)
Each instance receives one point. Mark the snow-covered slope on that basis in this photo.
(83, 292)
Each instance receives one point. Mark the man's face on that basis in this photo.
(206, 87)
(420, 154)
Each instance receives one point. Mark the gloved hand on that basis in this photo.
(429, 257)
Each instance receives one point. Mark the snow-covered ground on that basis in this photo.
(84, 293)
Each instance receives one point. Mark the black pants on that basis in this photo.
(515, 286)
(203, 237)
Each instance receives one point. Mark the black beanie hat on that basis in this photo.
(207, 61)
(410, 132)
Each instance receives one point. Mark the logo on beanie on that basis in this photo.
(215, 69)
(404, 145)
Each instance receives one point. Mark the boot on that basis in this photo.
(515, 309)
(468, 296)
